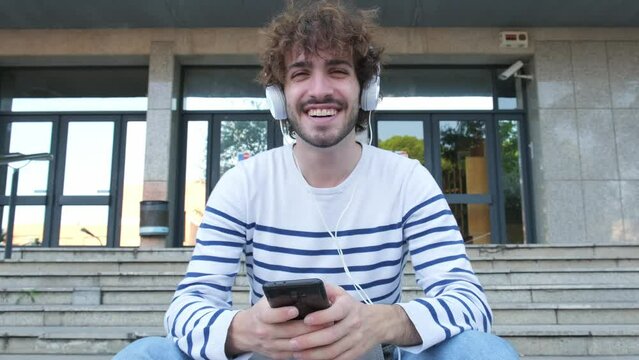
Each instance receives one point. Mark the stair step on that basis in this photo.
(61, 279)
(560, 276)
(562, 293)
(72, 315)
(564, 314)
(487, 277)
(547, 251)
(102, 254)
(179, 264)
(551, 342)
(161, 295)
(83, 340)
(572, 340)
(527, 251)
(75, 267)
(152, 315)
(553, 302)
(484, 264)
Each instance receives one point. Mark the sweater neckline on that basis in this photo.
(350, 179)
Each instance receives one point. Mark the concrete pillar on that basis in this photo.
(161, 134)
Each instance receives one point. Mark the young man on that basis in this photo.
(333, 208)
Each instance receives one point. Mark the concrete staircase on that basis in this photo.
(551, 302)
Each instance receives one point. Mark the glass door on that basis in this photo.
(459, 151)
(465, 171)
(213, 144)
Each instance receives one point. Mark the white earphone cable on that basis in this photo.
(286, 137)
(370, 129)
(360, 291)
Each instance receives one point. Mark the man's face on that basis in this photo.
(322, 97)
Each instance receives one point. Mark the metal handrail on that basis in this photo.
(7, 159)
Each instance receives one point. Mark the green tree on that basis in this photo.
(241, 136)
(413, 146)
(509, 137)
(459, 139)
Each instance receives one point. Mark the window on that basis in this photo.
(89, 194)
(466, 127)
(225, 120)
(462, 123)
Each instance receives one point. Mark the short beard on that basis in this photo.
(322, 142)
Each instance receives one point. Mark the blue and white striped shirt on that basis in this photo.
(264, 210)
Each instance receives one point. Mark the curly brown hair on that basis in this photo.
(315, 26)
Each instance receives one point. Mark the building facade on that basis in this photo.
(159, 113)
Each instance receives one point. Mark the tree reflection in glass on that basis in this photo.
(240, 140)
(464, 171)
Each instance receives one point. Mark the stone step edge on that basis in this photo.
(162, 307)
(173, 259)
(181, 249)
(478, 272)
(244, 288)
(124, 332)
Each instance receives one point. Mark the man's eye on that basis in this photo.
(298, 75)
(340, 72)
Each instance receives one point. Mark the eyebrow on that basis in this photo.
(307, 64)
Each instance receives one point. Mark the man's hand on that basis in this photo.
(265, 330)
(353, 332)
(356, 328)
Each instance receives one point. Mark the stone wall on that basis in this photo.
(584, 121)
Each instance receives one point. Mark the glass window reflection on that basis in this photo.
(463, 157)
(133, 183)
(88, 158)
(28, 228)
(195, 184)
(223, 88)
(241, 140)
(410, 88)
(402, 137)
(512, 183)
(30, 138)
(73, 89)
(474, 222)
(84, 225)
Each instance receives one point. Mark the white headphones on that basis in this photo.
(277, 101)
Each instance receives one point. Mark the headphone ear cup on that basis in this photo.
(370, 94)
(276, 102)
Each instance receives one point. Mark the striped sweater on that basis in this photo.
(265, 211)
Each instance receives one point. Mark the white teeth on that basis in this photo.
(322, 112)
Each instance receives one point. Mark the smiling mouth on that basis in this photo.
(322, 112)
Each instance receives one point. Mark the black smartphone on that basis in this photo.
(307, 295)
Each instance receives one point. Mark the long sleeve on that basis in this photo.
(200, 313)
(453, 299)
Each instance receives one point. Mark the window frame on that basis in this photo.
(54, 198)
(214, 120)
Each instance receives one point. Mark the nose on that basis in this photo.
(320, 86)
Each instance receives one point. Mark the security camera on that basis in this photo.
(512, 70)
